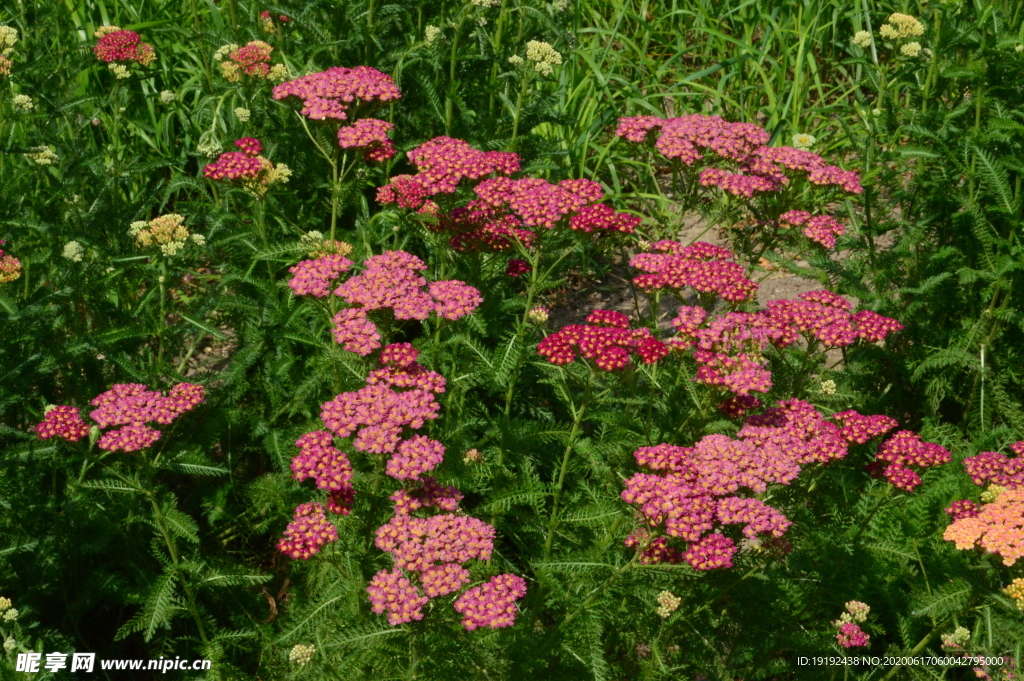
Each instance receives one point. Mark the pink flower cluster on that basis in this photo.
(441, 164)
(606, 339)
(238, 165)
(417, 544)
(130, 405)
(414, 457)
(998, 469)
(826, 317)
(492, 604)
(429, 494)
(377, 414)
(505, 210)
(319, 459)
(697, 489)
(314, 277)
(435, 549)
(903, 449)
(63, 421)
(702, 266)
(762, 168)
(122, 46)
(820, 228)
(10, 267)
(391, 280)
(331, 93)
(851, 636)
(369, 135)
(309, 531)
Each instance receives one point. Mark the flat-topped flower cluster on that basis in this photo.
(998, 525)
(695, 491)
(606, 339)
(248, 167)
(129, 405)
(502, 210)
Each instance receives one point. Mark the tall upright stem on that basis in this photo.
(570, 445)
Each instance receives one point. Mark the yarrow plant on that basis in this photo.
(119, 48)
(252, 60)
(254, 172)
(10, 267)
(168, 232)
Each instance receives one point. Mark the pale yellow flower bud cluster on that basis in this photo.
(301, 654)
(120, 71)
(862, 39)
(911, 49)
(668, 603)
(515, 60)
(828, 387)
(8, 38)
(73, 251)
(23, 103)
(430, 34)
(957, 639)
(103, 30)
(209, 147)
(167, 231)
(901, 26)
(486, 3)
(538, 315)
(560, 5)
(43, 156)
(992, 493)
(472, 456)
(543, 56)
(167, 97)
(242, 114)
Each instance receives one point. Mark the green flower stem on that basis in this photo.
(449, 104)
(570, 445)
(931, 634)
(523, 85)
(493, 83)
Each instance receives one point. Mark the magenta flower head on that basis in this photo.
(998, 469)
(308, 532)
(123, 46)
(903, 449)
(369, 135)
(62, 422)
(492, 604)
(851, 636)
(392, 593)
(334, 92)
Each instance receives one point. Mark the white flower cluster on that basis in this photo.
(23, 103)
(543, 56)
(668, 603)
(560, 5)
(73, 251)
(120, 71)
(486, 3)
(430, 34)
(209, 147)
(803, 141)
(167, 97)
(911, 49)
(862, 39)
(242, 114)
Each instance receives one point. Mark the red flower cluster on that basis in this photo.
(606, 339)
(903, 449)
(122, 46)
(239, 165)
(332, 93)
(998, 469)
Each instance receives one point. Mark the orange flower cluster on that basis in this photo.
(998, 528)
